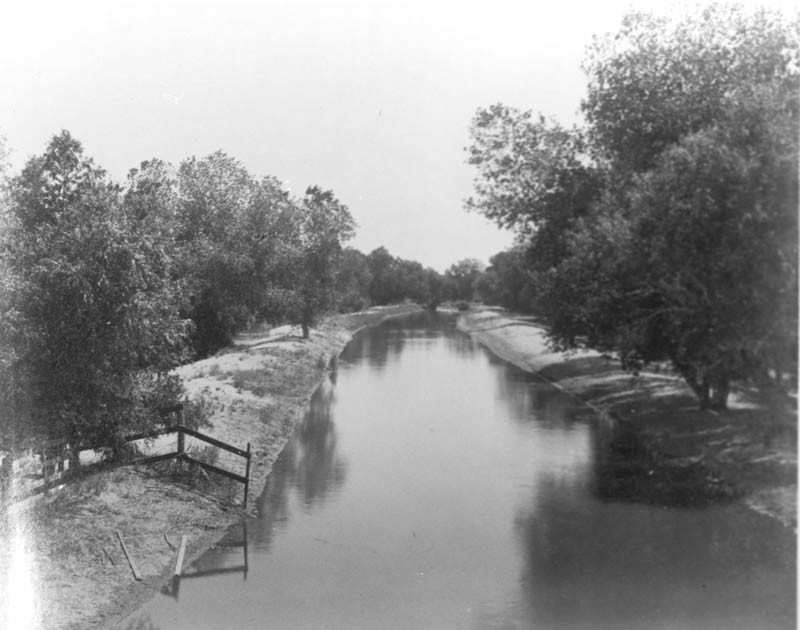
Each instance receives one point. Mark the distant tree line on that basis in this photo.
(664, 228)
(378, 278)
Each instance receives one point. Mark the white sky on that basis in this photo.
(371, 99)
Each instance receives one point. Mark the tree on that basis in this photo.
(353, 281)
(412, 281)
(394, 279)
(214, 193)
(462, 277)
(672, 232)
(383, 287)
(324, 225)
(94, 323)
(53, 181)
(716, 223)
(9, 316)
(230, 228)
(533, 177)
(698, 117)
(660, 78)
(435, 289)
(507, 281)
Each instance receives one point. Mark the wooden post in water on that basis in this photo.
(247, 476)
(244, 532)
(179, 561)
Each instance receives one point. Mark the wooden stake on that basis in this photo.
(247, 476)
(136, 575)
(179, 562)
(44, 472)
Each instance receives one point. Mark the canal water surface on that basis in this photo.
(433, 486)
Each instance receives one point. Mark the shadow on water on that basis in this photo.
(626, 469)
(627, 573)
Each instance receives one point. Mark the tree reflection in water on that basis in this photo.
(378, 346)
(626, 469)
(596, 565)
(309, 465)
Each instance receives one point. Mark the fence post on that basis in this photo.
(181, 449)
(60, 461)
(74, 459)
(6, 473)
(43, 455)
(247, 476)
(244, 531)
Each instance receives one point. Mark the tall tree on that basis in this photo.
(507, 281)
(95, 326)
(463, 277)
(353, 281)
(324, 225)
(227, 226)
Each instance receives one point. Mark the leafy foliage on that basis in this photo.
(394, 279)
(667, 229)
(91, 318)
(106, 288)
(462, 277)
(323, 225)
(507, 281)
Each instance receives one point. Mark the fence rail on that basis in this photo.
(59, 476)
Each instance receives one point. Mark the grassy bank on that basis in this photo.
(658, 447)
(73, 571)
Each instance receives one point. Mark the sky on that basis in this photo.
(370, 99)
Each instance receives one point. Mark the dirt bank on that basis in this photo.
(61, 564)
(659, 448)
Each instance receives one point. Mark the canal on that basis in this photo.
(434, 486)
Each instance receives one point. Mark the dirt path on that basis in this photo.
(61, 564)
(661, 448)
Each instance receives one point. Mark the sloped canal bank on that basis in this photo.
(661, 448)
(432, 485)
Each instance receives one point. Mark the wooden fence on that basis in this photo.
(182, 454)
(53, 472)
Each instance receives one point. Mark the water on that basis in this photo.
(433, 486)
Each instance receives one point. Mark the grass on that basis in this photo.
(251, 380)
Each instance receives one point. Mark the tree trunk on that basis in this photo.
(700, 386)
(306, 329)
(721, 391)
(74, 461)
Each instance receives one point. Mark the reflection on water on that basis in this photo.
(431, 486)
(308, 466)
